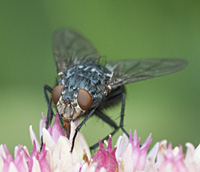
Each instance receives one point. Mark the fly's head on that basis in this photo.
(71, 105)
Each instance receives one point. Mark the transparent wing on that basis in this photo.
(127, 71)
(71, 48)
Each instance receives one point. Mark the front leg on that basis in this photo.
(79, 127)
(50, 113)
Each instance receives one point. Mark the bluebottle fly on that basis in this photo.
(86, 86)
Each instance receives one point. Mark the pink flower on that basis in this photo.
(37, 161)
(55, 154)
(106, 158)
(127, 155)
(130, 155)
(173, 160)
(58, 146)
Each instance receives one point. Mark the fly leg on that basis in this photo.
(110, 122)
(121, 124)
(79, 127)
(107, 120)
(50, 113)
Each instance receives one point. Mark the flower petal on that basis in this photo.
(106, 158)
(121, 145)
(151, 157)
(34, 138)
(197, 154)
(131, 156)
(36, 166)
(57, 130)
(19, 160)
(62, 158)
(81, 145)
(12, 168)
(48, 140)
(1, 163)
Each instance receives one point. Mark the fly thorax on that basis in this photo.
(87, 76)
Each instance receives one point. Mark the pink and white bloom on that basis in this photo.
(127, 155)
(23, 161)
(130, 154)
(55, 154)
(174, 160)
(58, 147)
(106, 158)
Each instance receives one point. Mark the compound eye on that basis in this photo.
(84, 99)
(55, 95)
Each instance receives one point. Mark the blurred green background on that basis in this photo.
(167, 107)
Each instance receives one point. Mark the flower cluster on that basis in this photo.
(127, 156)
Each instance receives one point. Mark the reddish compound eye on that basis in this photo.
(84, 99)
(55, 95)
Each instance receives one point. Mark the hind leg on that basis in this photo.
(111, 123)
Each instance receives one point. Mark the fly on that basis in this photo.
(86, 87)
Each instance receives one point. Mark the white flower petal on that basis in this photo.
(122, 143)
(102, 170)
(12, 167)
(87, 168)
(162, 149)
(62, 158)
(127, 158)
(34, 138)
(151, 158)
(153, 153)
(81, 146)
(56, 170)
(75, 168)
(72, 132)
(1, 163)
(25, 166)
(42, 125)
(176, 150)
(80, 143)
(197, 154)
(15, 151)
(36, 165)
(2, 151)
(190, 153)
(120, 165)
(48, 140)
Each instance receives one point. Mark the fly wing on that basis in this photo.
(70, 48)
(128, 71)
